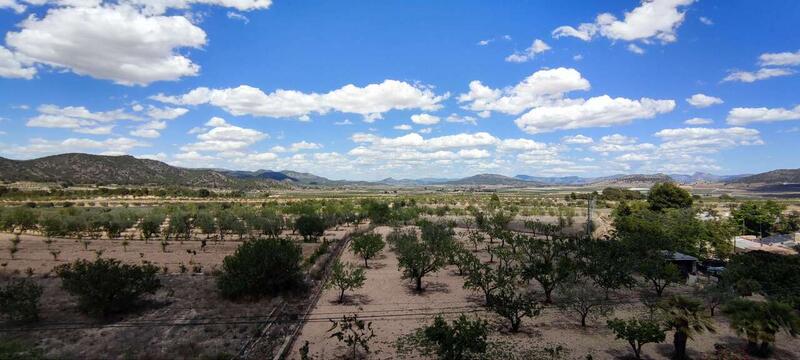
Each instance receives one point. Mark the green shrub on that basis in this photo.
(464, 339)
(19, 300)
(261, 267)
(106, 286)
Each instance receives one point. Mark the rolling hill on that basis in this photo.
(99, 169)
(780, 176)
(491, 179)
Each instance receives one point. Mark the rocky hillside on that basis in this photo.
(789, 176)
(98, 169)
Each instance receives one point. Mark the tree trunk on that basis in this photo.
(679, 341)
(515, 325)
(763, 350)
(548, 298)
(583, 319)
(637, 350)
(365, 263)
(341, 296)
(419, 284)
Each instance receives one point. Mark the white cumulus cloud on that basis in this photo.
(114, 42)
(537, 47)
(601, 111)
(370, 101)
(652, 19)
(703, 100)
(744, 116)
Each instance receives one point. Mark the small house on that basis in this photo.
(687, 264)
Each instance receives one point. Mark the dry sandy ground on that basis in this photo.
(186, 319)
(396, 310)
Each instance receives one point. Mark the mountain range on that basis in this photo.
(127, 170)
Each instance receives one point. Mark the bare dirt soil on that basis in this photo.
(395, 309)
(34, 253)
(186, 319)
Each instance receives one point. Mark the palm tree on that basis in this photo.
(686, 317)
(760, 321)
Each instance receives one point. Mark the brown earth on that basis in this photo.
(395, 309)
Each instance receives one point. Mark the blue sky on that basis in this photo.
(372, 89)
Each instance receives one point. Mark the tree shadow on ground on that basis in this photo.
(628, 354)
(352, 300)
(374, 265)
(428, 288)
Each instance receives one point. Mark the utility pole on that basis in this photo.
(589, 207)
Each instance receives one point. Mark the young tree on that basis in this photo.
(550, 262)
(19, 300)
(107, 286)
(514, 304)
(463, 259)
(760, 321)
(345, 277)
(367, 246)
(686, 318)
(582, 300)
(716, 294)
(637, 332)
(476, 238)
(353, 332)
(261, 267)
(668, 196)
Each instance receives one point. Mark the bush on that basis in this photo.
(637, 332)
(261, 267)
(461, 340)
(106, 286)
(19, 300)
